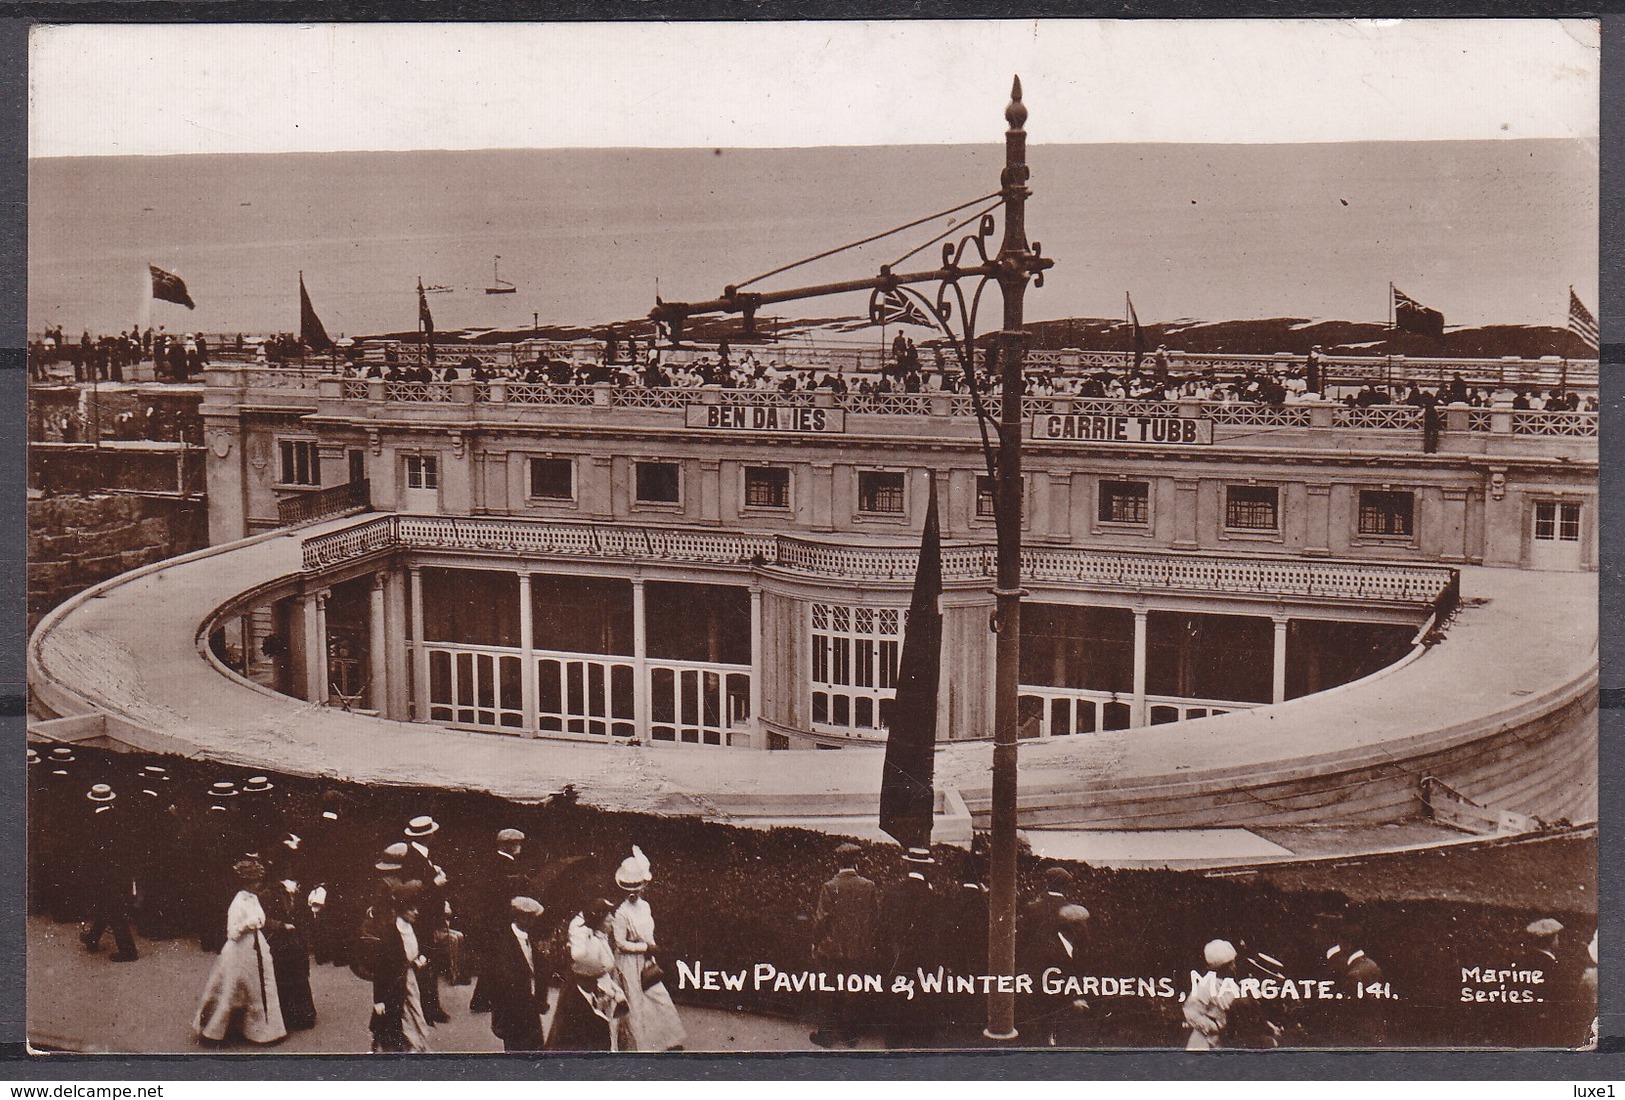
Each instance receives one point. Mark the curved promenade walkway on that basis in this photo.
(1503, 709)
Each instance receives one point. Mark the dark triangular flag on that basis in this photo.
(169, 287)
(1412, 316)
(1139, 335)
(426, 319)
(311, 332)
(907, 796)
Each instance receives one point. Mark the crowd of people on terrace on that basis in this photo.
(905, 370)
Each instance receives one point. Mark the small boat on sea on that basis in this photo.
(499, 285)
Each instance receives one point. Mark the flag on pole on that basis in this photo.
(311, 332)
(896, 308)
(169, 287)
(1139, 334)
(1582, 323)
(1412, 316)
(426, 319)
(907, 794)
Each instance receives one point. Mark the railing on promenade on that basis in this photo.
(335, 500)
(1419, 585)
(1504, 420)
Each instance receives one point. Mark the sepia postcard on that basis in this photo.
(813, 536)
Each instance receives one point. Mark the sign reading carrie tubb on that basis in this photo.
(1089, 428)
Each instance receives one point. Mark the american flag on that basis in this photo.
(1582, 323)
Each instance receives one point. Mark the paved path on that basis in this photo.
(80, 1001)
(130, 648)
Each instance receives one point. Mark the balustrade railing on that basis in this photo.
(1420, 585)
(335, 500)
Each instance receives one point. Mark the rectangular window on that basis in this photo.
(985, 499)
(552, 478)
(767, 487)
(1252, 507)
(422, 472)
(1557, 521)
(855, 655)
(300, 463)
(658, 483)
(880, 491)
(1387, 513)
(1125, 502)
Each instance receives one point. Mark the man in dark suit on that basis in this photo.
(430, 925)
(107, 874)
(1360, 1021)
(515, 977)
(501, 877)
(911, 918)
(1061, 1018)
(844, 942)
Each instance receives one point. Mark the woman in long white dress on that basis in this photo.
(651, 1021)
(241, 992)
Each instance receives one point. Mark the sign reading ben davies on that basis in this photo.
(1090, 428)
(765, 418)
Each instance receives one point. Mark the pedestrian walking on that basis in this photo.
(844, 943)
(592, 1004)
(108, 883)
(398, 1023)
(651, 1018)
(515, 977)
(241, 993)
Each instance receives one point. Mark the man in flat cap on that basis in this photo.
(515, 976)
(843, 935)
(1556, 1018)
(501, 877)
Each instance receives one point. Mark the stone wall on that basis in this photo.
(75, 541)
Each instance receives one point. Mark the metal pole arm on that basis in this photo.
(733, 301)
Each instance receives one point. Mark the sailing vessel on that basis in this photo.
(499, 285)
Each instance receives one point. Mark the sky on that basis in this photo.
(98, 90)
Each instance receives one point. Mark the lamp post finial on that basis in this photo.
(1016, 113)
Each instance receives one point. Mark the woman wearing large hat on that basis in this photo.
(241, 992)
(651, 1018)
(398, 1023)
(592, 1004)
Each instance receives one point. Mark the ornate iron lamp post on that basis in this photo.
(1017, 262)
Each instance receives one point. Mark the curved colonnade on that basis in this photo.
(1503, 711)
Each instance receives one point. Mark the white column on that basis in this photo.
(316, 647)
(420, 657)
(758, 737)
(1278, 688)
(1137, 715)
(640, 662)
(527, 662)
(377, 647)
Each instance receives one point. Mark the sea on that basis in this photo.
(1487, 232)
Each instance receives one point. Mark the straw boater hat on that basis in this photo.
(101, 792)
(257, 785)
(634, 872)
(510, 836)
(921, 856)
(62, 755)
(1218, 953)
(33, 756)
(420, 827)
(225, 788)
(391, 859)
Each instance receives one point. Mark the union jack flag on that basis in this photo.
(1582, 323)
(896, 308)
